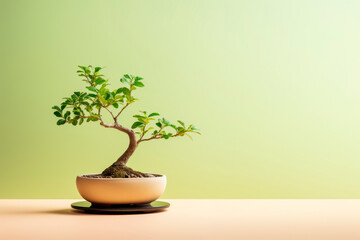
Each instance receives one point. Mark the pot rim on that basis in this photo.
(83, 176)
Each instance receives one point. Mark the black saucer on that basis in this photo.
(131, 208)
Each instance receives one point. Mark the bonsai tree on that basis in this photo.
(90, 105)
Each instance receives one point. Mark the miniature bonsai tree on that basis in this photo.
(89, 106)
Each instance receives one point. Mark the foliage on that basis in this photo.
(86, 106)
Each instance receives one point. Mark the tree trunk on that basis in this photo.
(122, 160)
(118, 168)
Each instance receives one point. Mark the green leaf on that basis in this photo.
(154, 114)
(124, 80)
(196, 132)
(194, 128)
(189, 136)
(138, 116)
(66, 114)
(181, 123)
(120, 98)
(126, 92)
(97, 69)
(95, 118)
(104, 102)
(181, 130)
(166, 122)
(142, 119)
(82, 67)
(136, 124)
(92, 89)
(138, 78)
(56, 108)
(115, 105)
(81, 121)
(107, 95)
(138, 84)
(74, 97)
(99, 81)
(63, 106)
(127, 76)
(74, 122)
(158, 124)
(61, 122)
(119, 90)
(58, 114)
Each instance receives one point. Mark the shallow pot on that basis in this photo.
(121, 190)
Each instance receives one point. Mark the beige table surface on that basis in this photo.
(186, 219)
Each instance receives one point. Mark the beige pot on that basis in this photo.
(121, 190)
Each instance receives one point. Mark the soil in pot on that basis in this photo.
(121, 171)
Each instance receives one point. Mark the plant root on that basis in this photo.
(122, 171)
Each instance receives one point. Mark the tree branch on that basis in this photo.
(88, 79)
(127, 104)
(99, 113)
(107, 125)
(148, 139)
(157, 136)
(122, 160)
(143, 133)
(110, 113)
(153, 137)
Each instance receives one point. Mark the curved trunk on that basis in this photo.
(119, 169)
(122, 160)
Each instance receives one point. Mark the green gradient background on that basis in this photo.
(273, 85)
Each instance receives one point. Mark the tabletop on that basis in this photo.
(247, 219)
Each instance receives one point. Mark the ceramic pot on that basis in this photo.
(121, 190)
